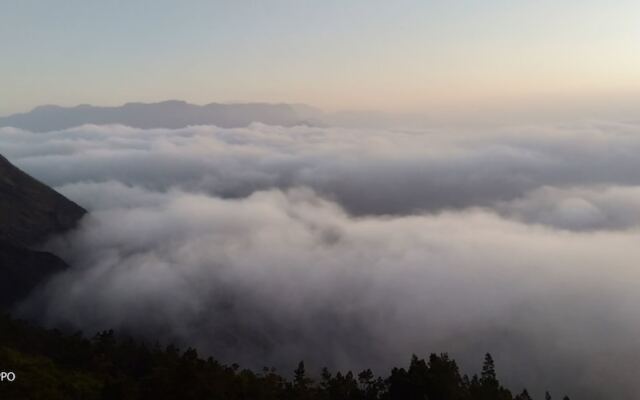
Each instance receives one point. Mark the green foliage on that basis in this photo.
(43, 379)
(52, 365)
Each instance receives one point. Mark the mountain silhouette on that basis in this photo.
(167, 114)
(30, 212)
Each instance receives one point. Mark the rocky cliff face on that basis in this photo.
(30, 211)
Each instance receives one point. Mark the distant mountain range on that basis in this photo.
(173, 114)
(30, 211)
(167, 114)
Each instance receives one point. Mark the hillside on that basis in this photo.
(22, 269)
(30, 211)
(52, 365)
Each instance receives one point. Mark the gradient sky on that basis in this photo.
(402, 55)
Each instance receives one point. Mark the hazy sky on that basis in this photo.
(399, 55)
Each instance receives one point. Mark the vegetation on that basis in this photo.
(53, 365)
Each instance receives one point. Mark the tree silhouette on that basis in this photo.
(60, 366)
(523, 396)
(488, 376)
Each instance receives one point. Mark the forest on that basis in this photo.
(50, 364)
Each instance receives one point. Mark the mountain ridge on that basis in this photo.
(170, 114)
(30, 212)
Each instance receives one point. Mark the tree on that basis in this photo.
(487, 387)
(523, 396)
(325, 378)
(300, 380)
(444, 380)
(488, 375)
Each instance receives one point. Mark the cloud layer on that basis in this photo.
(353, 248)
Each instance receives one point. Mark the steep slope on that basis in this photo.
(166, 114)
(22, 269)
(29, 212)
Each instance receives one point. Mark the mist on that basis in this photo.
(355, 248)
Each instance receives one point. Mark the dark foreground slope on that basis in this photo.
(30, 212)
(52, 365)
(22, 269)
(167, 114)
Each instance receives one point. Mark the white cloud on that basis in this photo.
(352, 248)
(579, 208)
(368, 172)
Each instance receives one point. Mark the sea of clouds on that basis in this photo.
(356, 248)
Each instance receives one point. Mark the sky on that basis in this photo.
(401, 56)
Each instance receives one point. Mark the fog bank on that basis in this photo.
(355, 248)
